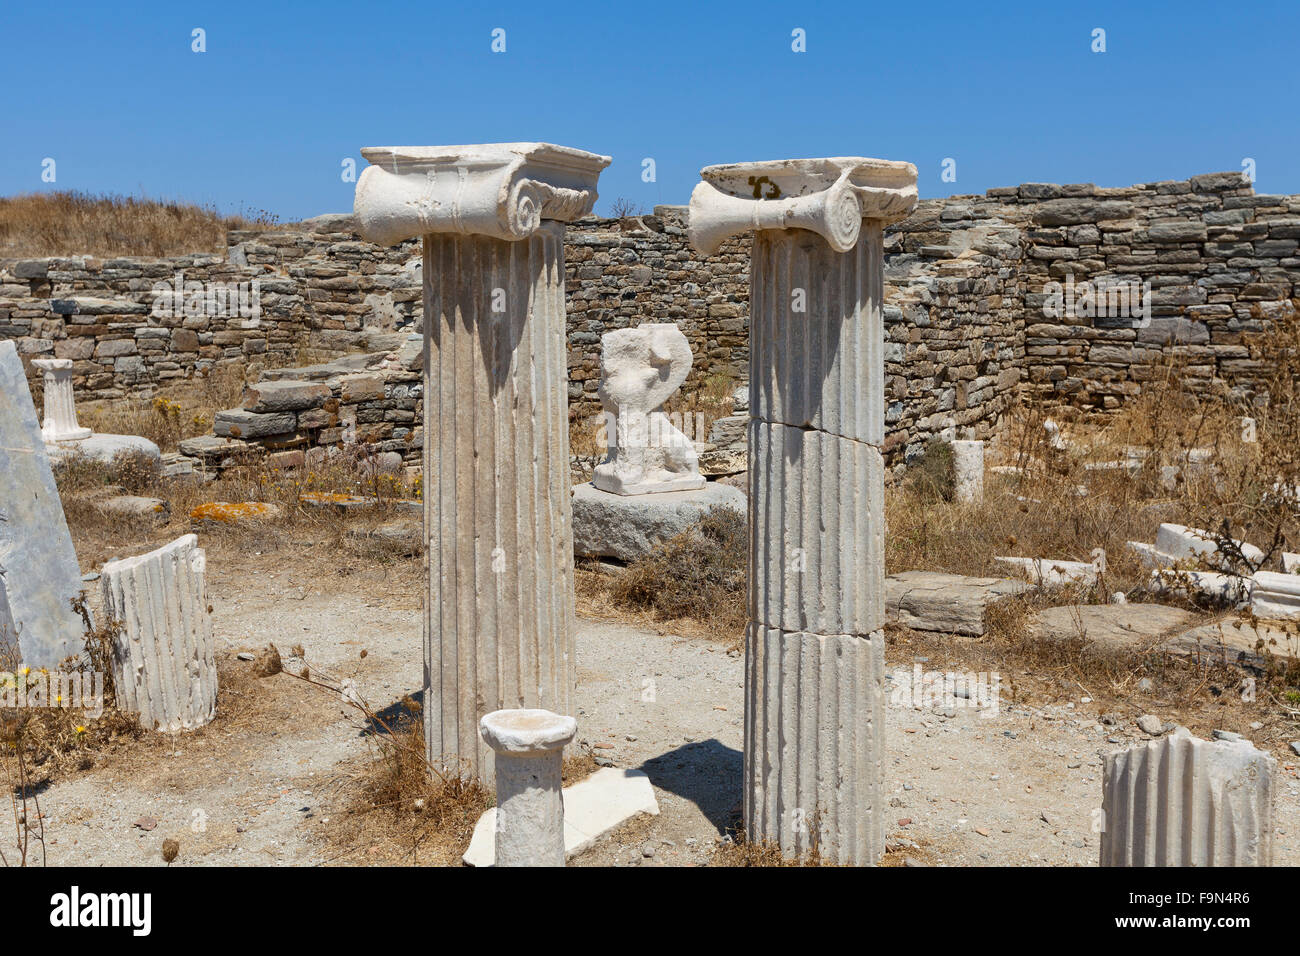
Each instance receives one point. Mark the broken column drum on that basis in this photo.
(499, 624)
(814, 654)
(1184, 801)
(164, 660)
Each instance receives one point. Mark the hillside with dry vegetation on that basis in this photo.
(75, 223)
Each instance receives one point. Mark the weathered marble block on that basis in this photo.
(39, 575)
(968, 471)
(816, 551)
(815, 742)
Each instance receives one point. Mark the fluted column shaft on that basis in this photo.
(500, 625)
(498, 628)
(814, 714)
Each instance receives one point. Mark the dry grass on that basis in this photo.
(74, 223)
(696, 577)
(1059, 507)
(741, 851)
(398, 809)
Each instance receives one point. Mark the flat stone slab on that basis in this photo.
(1117, 626)
(948, 603)
(226, 514)
(592, 808)
(286, 395)
(210, 448)
(1229, 639)
(1048, 572)
(39, 575)
(136, 506)
(103, 447)
(345, 502)
(628, 526)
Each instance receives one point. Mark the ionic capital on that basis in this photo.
(501, 190)
(830, 197)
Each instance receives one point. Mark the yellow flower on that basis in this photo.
(81, 729)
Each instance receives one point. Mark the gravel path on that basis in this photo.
(1018, 788)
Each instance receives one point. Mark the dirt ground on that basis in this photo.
(259, 785)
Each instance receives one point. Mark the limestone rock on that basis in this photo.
(629, 526)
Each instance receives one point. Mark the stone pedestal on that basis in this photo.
(814, 731)
(1183, 801)
(529, 747)
(968, 471)
(499, 616)
(60, 421)
(628, 527)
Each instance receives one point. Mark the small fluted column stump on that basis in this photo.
(1183, 801)
(164, 660)
(529, 748)
(498, 517)
(814, 654)
(60, 419)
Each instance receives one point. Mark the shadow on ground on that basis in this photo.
(707, 773)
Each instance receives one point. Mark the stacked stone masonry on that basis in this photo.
(965, 326)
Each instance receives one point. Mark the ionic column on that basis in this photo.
(529, 747)
(60, 422)
(814, 706)
(1182, 801)
(499, 625)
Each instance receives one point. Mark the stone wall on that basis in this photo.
(966, 324)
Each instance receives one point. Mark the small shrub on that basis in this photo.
(697, 574)
(930, 475)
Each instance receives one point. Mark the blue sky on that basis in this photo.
(285, 91)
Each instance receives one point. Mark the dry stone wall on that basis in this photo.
(971, 322)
